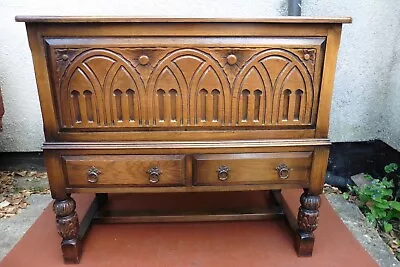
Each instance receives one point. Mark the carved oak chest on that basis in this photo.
(139, 105)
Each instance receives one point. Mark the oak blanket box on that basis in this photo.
(149, 105)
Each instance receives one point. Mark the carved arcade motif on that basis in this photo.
(231, 60)
(186, 87)
(190, 88)
(102, 88)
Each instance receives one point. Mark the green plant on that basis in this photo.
(393, 171)
(376, 200)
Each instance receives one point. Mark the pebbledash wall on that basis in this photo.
(366, 102)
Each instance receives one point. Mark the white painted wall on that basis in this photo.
(365, 81)
(391, 113)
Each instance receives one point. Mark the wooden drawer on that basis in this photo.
(252, 169)
(131, 170)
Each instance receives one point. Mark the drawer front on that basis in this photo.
(104, 83)
(252, 169)
(131, 170)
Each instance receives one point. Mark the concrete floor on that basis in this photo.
(362, 231)
(14, 228)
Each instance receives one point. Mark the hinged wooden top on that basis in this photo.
(97, 19)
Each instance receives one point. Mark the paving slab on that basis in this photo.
(12, 229)
(368, 237)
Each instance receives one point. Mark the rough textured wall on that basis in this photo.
(363, 75)
(391, 113)
(365, 81)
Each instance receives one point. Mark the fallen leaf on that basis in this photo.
(32, 173)
(21, 173)
(4, 204)
(16, 201)
(11, 209)
(12, 199)
(23, 205)
(42, 175)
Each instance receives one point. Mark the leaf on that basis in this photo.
(23, 205)
(371, 218)
(391, 167)
(387, 192)
(398, 255)
(4, 204)
(386, 183)
(21, 173)
(364, 198)
(382, 205)
(368, 177)
(387, 227)
(395, 205)
(392, 214)
(377, 212)
(346, 195)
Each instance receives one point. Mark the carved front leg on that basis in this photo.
(307, 220)
(68, 226)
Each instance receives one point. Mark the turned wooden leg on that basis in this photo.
(68, 226)
(307, 221)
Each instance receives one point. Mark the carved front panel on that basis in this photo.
(99, 88)
(225, 85)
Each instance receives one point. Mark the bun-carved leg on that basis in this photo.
(307, 221)
(68, 226)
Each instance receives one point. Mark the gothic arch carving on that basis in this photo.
(270, 73)
(186, 73)
(114, 91)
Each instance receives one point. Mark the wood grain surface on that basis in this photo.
(162, 105)
(125, 170)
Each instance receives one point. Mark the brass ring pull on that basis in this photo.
(93, 175)
(154, 175)
(223, 173)
(283, 171)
